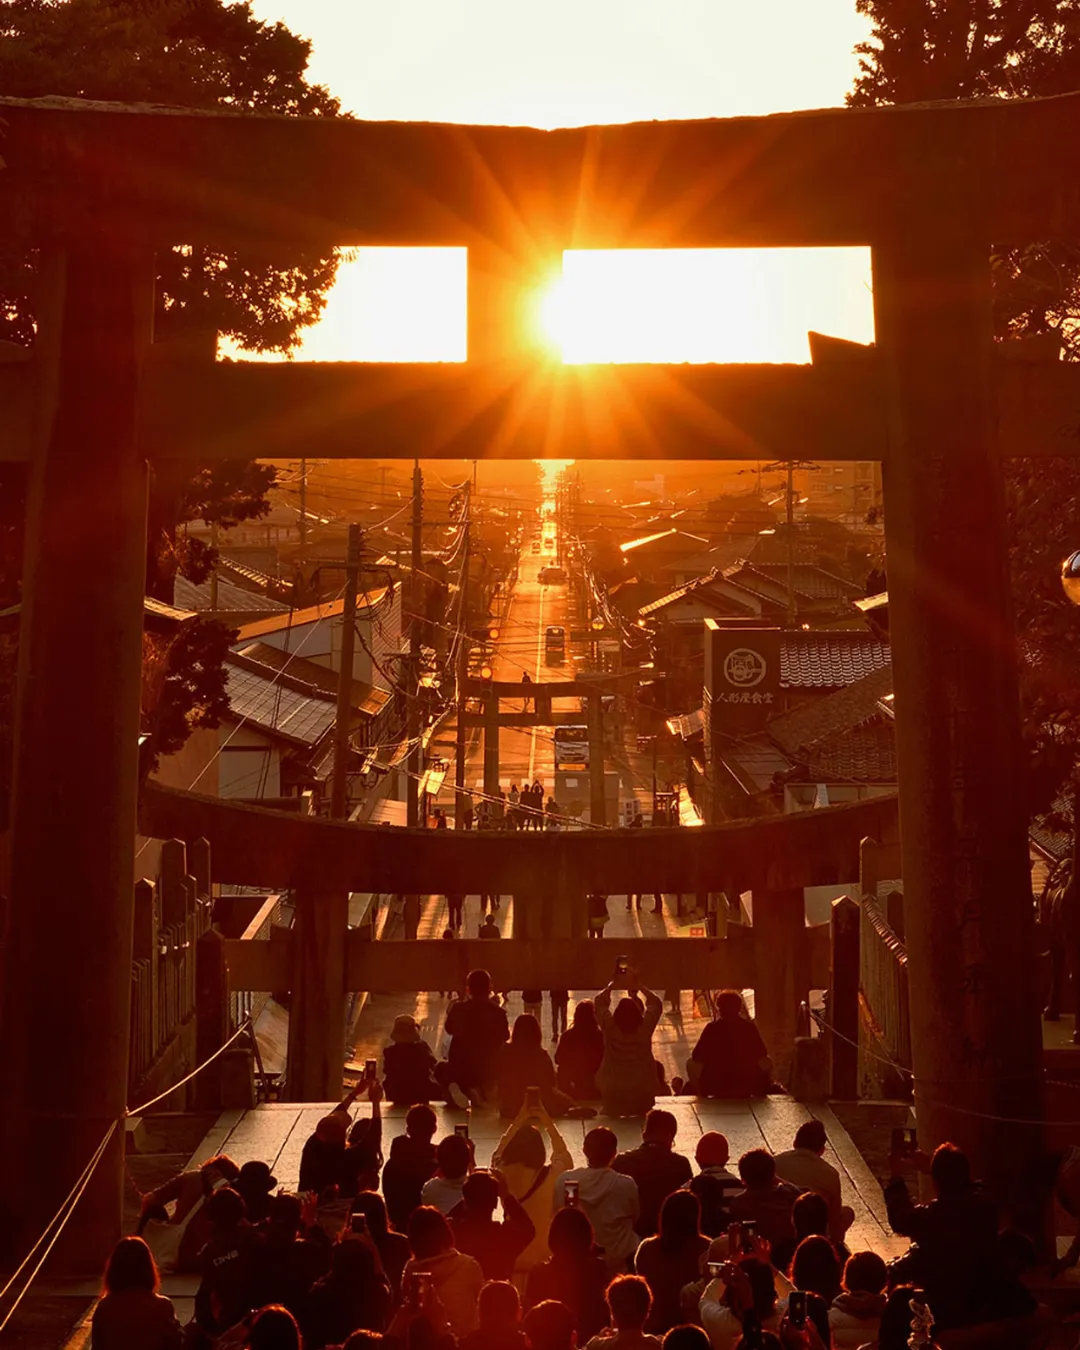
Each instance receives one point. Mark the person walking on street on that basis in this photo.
(513, 814)
(551, 814)
(455, 904)
(560, 1001)
(598, 914)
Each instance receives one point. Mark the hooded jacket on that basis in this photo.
(457, 1280)
(611, 1202)
(854, 1319)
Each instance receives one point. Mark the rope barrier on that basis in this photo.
(67, 1208)
(949, 1106)
(60, 1218)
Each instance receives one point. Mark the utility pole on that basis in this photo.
(415, 759)
(303, 510)
(461, 749)
(791, 544)
(214, 573)
(339, 783)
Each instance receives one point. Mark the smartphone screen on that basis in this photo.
(622, 964)
(901, 1141)
(532, 1098)
(462, 1130)
(749, 1233)
(370, 1067)
(571, 1189)
(797, 1308)
(358, 1224)
(716, 1269)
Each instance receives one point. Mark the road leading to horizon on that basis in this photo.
(525, 754)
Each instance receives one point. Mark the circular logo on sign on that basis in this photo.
(744, 668)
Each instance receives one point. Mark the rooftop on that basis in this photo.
(297, 618)
(264, 699)
(828, 659)
(365, 698)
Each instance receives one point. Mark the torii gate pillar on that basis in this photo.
(67, 963)
(967, 899)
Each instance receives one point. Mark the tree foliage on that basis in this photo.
(208, 54)
(952, 49)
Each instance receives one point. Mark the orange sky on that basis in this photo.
(568, 62)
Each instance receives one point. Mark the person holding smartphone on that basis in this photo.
(627, 1077)
(530, 1174)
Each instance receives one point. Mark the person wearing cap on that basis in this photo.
(408, 1065)
(323, 1158)
(255, 1185)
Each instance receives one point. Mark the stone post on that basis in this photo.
(844, 961)
(316, 1054)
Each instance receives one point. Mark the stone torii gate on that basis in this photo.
(98, 189)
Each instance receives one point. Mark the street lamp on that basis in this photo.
(1070, 577)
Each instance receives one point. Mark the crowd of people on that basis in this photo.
(410, 1245)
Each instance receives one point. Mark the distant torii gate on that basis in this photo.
(98, 189)
(542, 694)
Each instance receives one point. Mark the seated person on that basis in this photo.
(804, 1166)
(766, 1202)
(955, 1255)
(856, 1311)
(730, 1058)
(655, 1166)
(580, 1053)
(496, 1245)
(714, 1184)
(322, 1162)
(478, 1030)
(408, 1066)
(724, 1304)
(810, 1218)
(454, 1157)
(524, 1063)
(411, 1163)
(629, 1304)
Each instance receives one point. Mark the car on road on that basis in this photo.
(536, 546)
(551, 576)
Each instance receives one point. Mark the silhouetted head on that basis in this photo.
(480, 1193)
(453, 1156)
(352, 1263)
(686, 1337)
(660, 1127)
(373, 1207)
(421, 1122)
(629, 1301)
(219, 1168)
(274, 1328)
(865, 1273)
(729, 1003)
(950, 1171)
(526, 1147)
(585, 1014)
(815, 1268)
(811, 1135)
(600, 1146)
(499, 1307)
(285, 1215)
(810, 1214)
(334, 1128)
(895, 1326)
(680, 1219)
(551, 1326)
(712, 1150)
(479, 983)
(225, 1208)
(570, 1235)
(526, 1032)
(762, 1287)
(757, 1169)
(131, 1266)
(628, 1015)
(429, 1233)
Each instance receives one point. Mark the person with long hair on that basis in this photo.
(521, 1157)
(671, 1259)
(730, 1058)
(815, 1268)
(273, 1328)
(627, 1077)
(454, 1278)
(575, 1275)
(393, 1248)
(131, 1311)
(354, 1295)
(524, 1063)
(580, 1053)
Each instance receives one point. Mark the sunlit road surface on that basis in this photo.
(525, 754)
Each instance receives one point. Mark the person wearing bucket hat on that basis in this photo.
(408, 1065)
(256, 1185)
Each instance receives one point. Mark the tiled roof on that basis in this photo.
(296, 618)
(687, 724)
(814, 582)
(755, 762)
(672, 537)
(266, 701)
(365, 697)
(699, 589)
(231, 599)
(829, 658)
(865, 754)
(848, 708)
